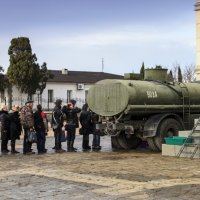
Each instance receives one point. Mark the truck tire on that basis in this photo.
(128, 141)
(152, 144)
(168, 127)
(114, 143)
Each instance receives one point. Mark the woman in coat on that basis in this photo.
(86, 126)
(4, 129)
(15, 127)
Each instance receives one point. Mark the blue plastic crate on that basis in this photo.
(176, 140)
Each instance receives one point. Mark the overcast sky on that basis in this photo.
(76, 34)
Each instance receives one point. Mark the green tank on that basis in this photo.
(135, 110)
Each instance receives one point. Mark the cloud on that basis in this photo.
(125, 35)
(60, 46)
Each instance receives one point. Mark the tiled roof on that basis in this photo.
(81, 76)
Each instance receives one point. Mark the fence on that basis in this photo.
(46, 103)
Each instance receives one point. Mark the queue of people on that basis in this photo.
(64, 119)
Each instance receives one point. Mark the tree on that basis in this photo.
(177, 74)
(3, 82)
(142, 71)
(24, 71)
(175, 71)
(189, 73)
(170, 76)
(180, 77)
(44, 76)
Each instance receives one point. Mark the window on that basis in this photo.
(39, 98)
(86, 93)
(69, 95)
(50, 96)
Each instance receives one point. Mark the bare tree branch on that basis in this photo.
(189, 74)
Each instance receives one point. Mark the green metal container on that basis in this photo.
(152, 109)
(111, 97)
(155, 74)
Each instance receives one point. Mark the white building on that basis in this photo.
(65, 85)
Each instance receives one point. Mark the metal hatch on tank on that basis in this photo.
(135, 110)
(109, 98)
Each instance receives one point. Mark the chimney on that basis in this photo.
(64, 71)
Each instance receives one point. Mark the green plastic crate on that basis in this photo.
(176, 140)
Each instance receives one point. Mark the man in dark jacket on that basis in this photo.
(96, 136)
(86, 126)
(27, 121)
(40, 130)
(15, 127)
(57, 123)
(72, 123)
(5, 129)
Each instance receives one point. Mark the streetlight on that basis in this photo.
(38, 95)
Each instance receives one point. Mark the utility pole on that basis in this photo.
(102, 64)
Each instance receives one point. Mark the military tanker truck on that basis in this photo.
(149, 109)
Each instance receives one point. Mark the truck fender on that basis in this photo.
(152, 124)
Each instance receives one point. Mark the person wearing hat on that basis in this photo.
(78, 110)
(15, 127)
(72, 123)
(27, 121)
(4, 128)
(86, 126)
(57, 123)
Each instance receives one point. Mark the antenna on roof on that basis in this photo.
(102, 64)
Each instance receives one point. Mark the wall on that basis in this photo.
(59, 91)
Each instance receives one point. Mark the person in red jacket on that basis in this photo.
(40, 129)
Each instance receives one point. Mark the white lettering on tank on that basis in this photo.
(152, 94)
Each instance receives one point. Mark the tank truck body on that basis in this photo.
(150, 109)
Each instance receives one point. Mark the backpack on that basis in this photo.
(23, 116)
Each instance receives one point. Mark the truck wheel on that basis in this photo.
(152, 144)
(114, 143)
(128, 141)
(167, 128)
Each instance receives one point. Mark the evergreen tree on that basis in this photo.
(24, 71)
(180, 77)
(142, 71)
(44, 76)
(170, 76)
(3, 82)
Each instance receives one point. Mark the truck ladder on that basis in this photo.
(195, 144)
(186, 104)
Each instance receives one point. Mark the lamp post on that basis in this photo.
(38, 95)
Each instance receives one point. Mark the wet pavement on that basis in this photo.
(105, 141)
(22, 181)
(106, 174)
